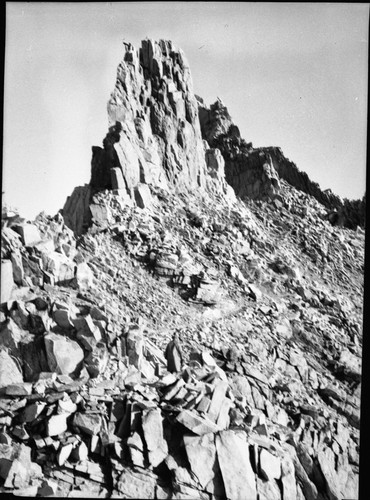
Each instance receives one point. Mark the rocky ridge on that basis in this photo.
(256, 172)
(266, 401)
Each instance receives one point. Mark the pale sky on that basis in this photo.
(292, 75)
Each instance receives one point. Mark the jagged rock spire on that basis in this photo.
(160, 141)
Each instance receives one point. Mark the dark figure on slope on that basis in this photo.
(173, 354)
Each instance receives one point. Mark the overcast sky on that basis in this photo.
(292, 75)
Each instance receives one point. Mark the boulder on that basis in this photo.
(11, 335)
(7, 283)
(349, 365)
(143, 196)
(59, 266)
(63, 318)
(135, 346)
(19, 389)
(88, 423)
(64, 453)
(18, 272)
(270, 465)
(10, 240)
(76, 211)
(217, 400)
(237, 473)
(136, 484)
(80, 453)
(337, 473)
(87, 332)
(29, 234)
(242, 388)
(97, 360)
(209, 292)
(268, 490)
(84, 276)
(136, 448)
(195, 423)
(34, 358)
(283, 329)
(16, 468)
(57, 424)
(255, 292)
(64, 356)
(32, 411)
(10, 372)
(101, 214)
(201, 453)
(288, 479)
(152, 423)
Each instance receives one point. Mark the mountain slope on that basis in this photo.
(264, 293)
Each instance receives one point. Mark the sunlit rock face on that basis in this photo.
(154, 133)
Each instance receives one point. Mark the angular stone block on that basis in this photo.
(192, 421)
(237, 473)
(201, 453)
(59, 266)
(7, 282)
(152, 423)
(143, 196)
(29, 233)
(9, 370)
(64, 355)
(18, 272)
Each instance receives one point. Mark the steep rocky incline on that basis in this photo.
(255, 172)
(257, 396)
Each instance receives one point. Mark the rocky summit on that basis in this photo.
(189, 325)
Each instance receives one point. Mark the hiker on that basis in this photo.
(173, 354)
(153, 253)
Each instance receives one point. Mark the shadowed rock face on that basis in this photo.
(154, 134)
(255, 172)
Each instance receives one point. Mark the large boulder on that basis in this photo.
(10, 372)
(201, 453)
(76, 211)
(34, 358)
(152, 423)
(59, 266)
(237, 473)
(63, 354)
(29, 233)
(16, 468)
(84, 276)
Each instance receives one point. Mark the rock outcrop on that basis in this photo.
(256, 172)
(154, 135)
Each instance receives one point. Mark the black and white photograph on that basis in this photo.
(183, 250)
